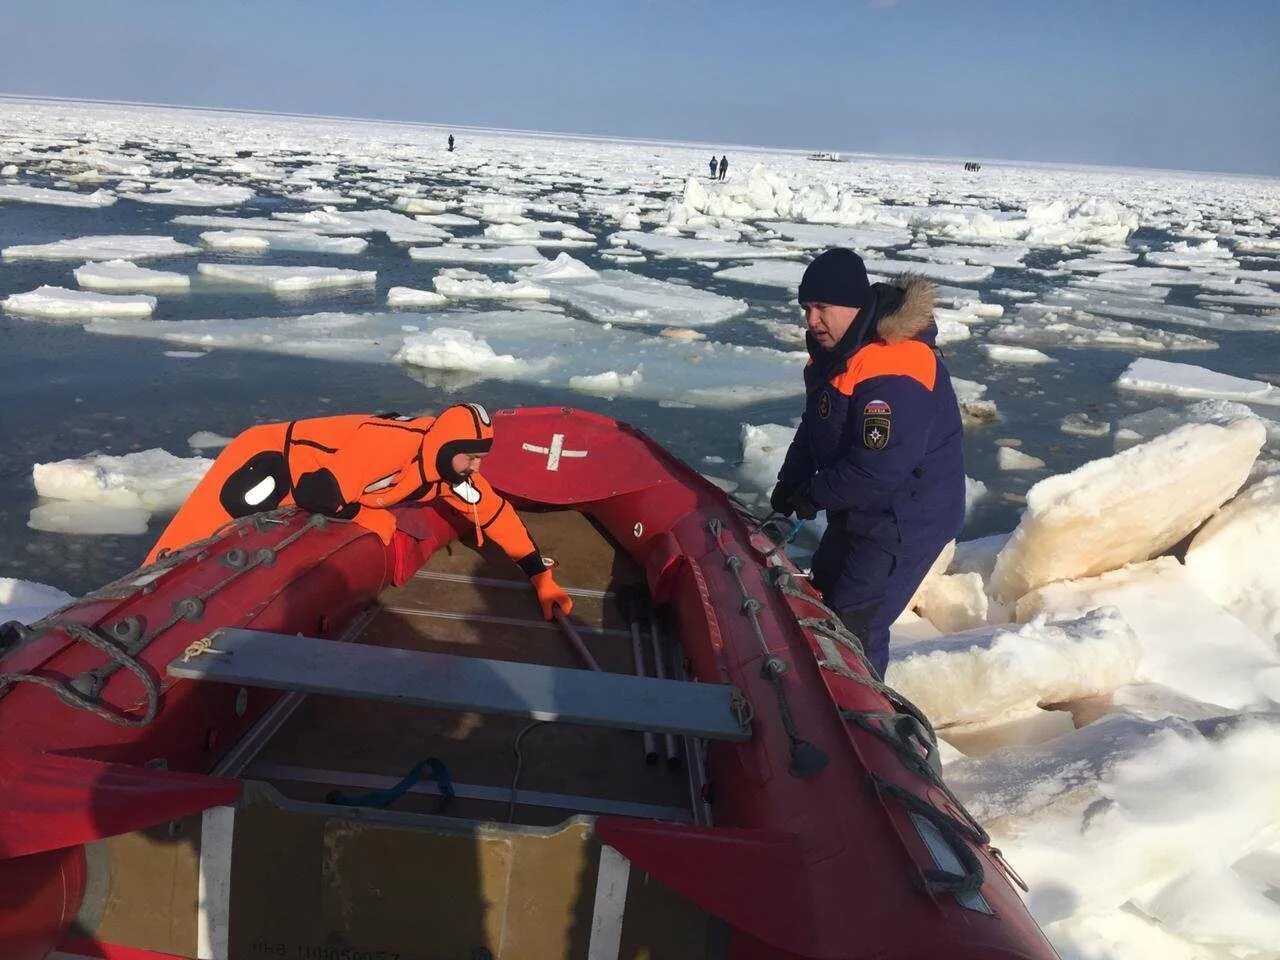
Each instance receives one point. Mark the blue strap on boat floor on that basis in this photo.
(384, 798)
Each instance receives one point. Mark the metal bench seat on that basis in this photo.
(508, 688)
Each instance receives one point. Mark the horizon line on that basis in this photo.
(605, 138)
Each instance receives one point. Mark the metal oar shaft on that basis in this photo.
(575, 640)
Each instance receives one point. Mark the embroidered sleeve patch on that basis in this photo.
(824, 405)
(877, 408)
(875, 432)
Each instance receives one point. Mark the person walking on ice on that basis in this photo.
(724, 166)
(713, 166)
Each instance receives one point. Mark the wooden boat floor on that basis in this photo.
(354, 736)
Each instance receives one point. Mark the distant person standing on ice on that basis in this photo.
(724, 166)
(879, 446)
(451, 143)
(713, 166)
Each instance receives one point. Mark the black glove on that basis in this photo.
(318, 492)
(780, 499)
(801, 503)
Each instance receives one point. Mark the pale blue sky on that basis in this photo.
(1191, 84)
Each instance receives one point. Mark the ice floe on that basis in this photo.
(459, 282)
(22, 193)
(675, 247)
(127, 275)
(106, 247)
(1146, 375)
(552, 347)
(1134, 505)
(61, 303)
(1123, 808)
(153, 480)
(411, 297)
(28, 602)
(1024, 355)
(259, 241)
(1007, 458)
(768, 273)
(1055, 326)
(191, 193)
(88, 519)
(1001, 673)
(518, 255)
(1189, 643)
(620, 296)
(1235, 557)
(286, 279)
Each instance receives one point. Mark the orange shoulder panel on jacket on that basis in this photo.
(910, 358)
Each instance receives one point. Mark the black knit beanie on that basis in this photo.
(836, 276)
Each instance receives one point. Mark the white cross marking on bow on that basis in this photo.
(553, 452)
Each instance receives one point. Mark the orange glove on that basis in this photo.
(550, 595)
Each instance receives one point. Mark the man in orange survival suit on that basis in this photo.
(354, 467)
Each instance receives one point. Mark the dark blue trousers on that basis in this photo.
(869, 584)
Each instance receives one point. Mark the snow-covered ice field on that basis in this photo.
(1100, 652)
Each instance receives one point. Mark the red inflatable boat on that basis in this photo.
(292, 741)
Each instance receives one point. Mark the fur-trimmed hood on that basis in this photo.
(911, 315)
(902, 310)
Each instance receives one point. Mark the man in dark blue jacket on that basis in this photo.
(879, 447)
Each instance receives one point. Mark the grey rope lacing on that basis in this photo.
(806, 759)
(130, 638)
(906, 731)
(69, 694)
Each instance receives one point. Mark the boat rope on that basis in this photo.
(906, 730)
(959, 836)
(806, 759)
(380, 799)
(70, 694)
(515, 776)
(124, 641)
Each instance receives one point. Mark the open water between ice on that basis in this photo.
(66, 393)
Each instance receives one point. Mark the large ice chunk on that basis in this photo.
(998, 673)
(1124, 806)
(620, 296)
(21, 193)
(449, 348)
(412, 297)
(457, 253)
(766, 273)
(1043, 326)
(259, 241)
(153, 480)
(287, 279)
(88, 519)
(1189, 643)
(191, 193)
(1127, 507)
(458, 282)
(28, 602)
(61, 303)
(668, 247)
(1235, 557)
(560, 350)
(1146, 424)
(105, 247)
(127, 275)
(1146, 375)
